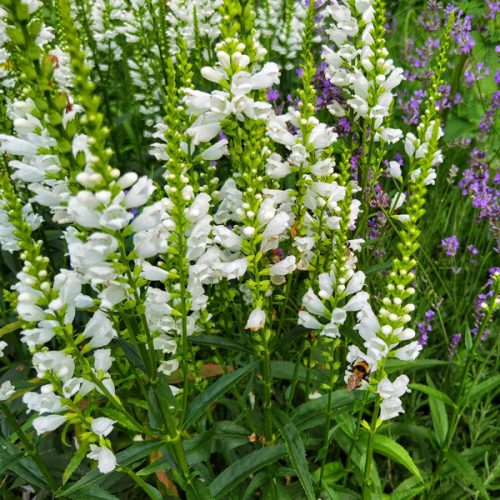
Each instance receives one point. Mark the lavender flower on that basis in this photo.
(482, 298)
(481, 189)
(452, 349)
(488, 119)
(461, 31)
(425, 327)
(450, 245)
(272, 95)
(474, 75)
(492, 9)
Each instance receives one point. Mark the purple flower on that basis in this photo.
(425, 327)
(472, 249)
(493, 8)
(452, 349)
(272, 95)
(461, 30)
(485, 296)
(344, 126)
(476, 183)
(450, 245)
(477, 74)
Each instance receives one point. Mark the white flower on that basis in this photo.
(112, 295)
(106, 460)
(139, 193)
(199, 208)
(48, 423)
(83, 209)
(33, 5)
(38, 336)
(227, 238)
(376, 348)
(168, 367)
(276, 168)
(395, 169)
(44, 402)
(409, 352)
(234, 269)
(102, 426)
(390, 408)
(321, 136)
(60, 364)
(212, 74)
(391, 135)
(17, 147)
(313, 303)
(100, 330)
(411, 144)
(103, 359)
(357, 302)
(6, 390)
(283, 267)
(115, 217)
(205, 128)
(388, 389)
(216, 151)
(355, 283)
(127, 180)
(368, 325)
(268, 76)
(309, 321)
(153, 273)
(256, 320)
(3, 345)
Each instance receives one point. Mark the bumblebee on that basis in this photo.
(360, 372)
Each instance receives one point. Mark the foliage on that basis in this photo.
(248, 249)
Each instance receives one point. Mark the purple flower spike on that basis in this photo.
(450, 245)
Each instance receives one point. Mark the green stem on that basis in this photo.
(295, 377)
(354, 439)
(267, 382)
(332, 379)
(369, 451)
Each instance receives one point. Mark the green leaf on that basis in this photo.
(198, 490)
(230, 435)
(75, 461)
(490, 385)
(257, 481)
(131, 353)
(396, 365)
(465, 472)
(164, 463)
(220, 342)
(407, 494)
(432, 391)
(305, 414)
(468, 339)
(240, 470)
(284, 370)
(11, 327)
(296, 452)
(389, 448)
(95, 493)
(122, 419)
(25, 467)
(201, 403)
(130, 455)
(438, 415)
(7, 461)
